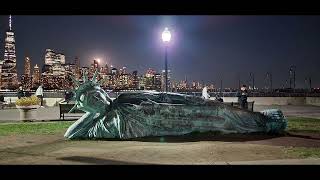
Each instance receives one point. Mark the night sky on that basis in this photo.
(205, 48)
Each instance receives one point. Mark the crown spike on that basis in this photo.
(94, 78)
(85, 76)
(76, 82)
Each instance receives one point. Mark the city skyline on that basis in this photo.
(274, 41)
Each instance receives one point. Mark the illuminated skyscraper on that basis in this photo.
(93, 67)
(53, 71)
(35, 76)
(26, 78)
(49, 57)
(123, 70)
(149, 79)
(27, 65)
(106, 68)
(114, 71)
(56, 61)
(135, 80)
(157, 82)
(163, 84)
(9, 77)
(77, 64)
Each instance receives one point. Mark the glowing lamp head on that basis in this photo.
(166, 35)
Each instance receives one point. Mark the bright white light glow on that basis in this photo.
(98, 60)
(166, 35)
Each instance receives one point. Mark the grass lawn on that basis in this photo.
(295, 124)
(307, 125)
(302, 152)
(299, 124)
(34, 127)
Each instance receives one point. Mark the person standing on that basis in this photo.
(20, 92)
(242, 97)
(205, 94)
(39, 94)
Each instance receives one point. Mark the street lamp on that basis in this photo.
(166, 36)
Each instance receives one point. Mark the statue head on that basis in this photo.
(89, 96)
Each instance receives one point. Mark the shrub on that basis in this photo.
(28, 101)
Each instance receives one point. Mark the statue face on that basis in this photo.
(92, 98)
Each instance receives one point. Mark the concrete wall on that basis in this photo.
(313, 101)
(46, 101)
(257, 100)
(279, 100)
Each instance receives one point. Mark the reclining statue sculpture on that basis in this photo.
(148, 113)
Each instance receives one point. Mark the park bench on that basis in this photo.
(65, 108)
(236, 104)
(3, 103)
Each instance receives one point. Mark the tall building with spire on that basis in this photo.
(8, 66)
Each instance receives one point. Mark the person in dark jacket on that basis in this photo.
(68, 96)
(20, 92)
(219, 98)
(243, 97)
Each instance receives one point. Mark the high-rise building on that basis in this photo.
(141, 82)
(77, 65)
(53, 71)
(157, 82)
(27, 66)
(135, 80)
(56, 61)
(149, 79)
(93, 67)
(9, 77)
(70, 68)
(114, 70)
(26, 77)
(106, 68)
(84, 69)
(60, 58)
(49, 57)
(70, 71)
(123, 70)
(35, 76)
(163, 80)
(124, 81)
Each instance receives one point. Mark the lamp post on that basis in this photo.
(166, 36)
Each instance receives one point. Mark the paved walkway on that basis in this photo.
(47, 113)
(54, 149)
